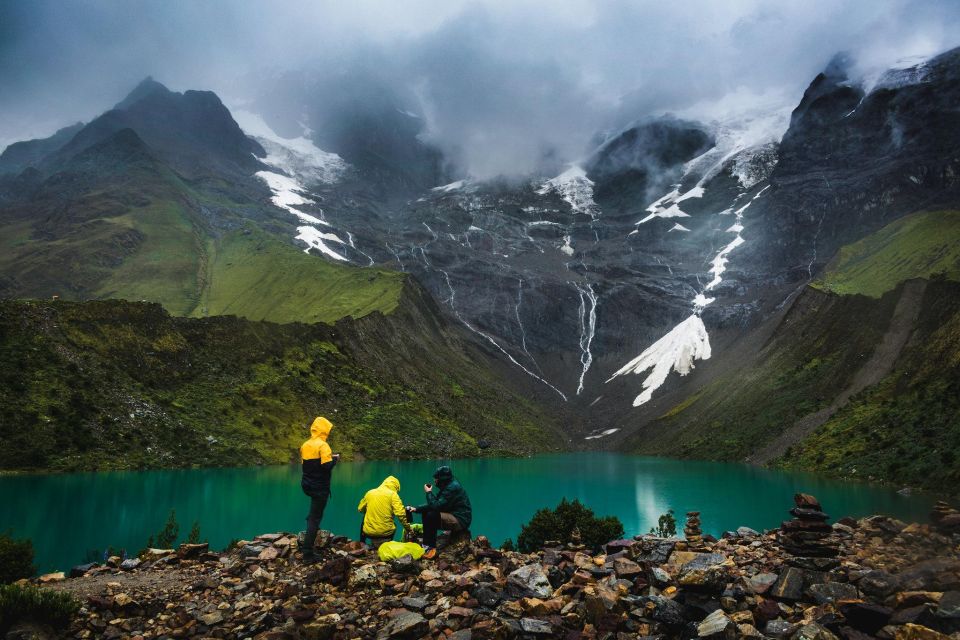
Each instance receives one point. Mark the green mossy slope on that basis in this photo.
(921, 245)
(120, 385)
(906, 429)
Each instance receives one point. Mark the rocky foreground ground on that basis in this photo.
(875, 577)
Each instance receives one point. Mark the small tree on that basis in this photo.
(194, 536)
(16, 559)
(507, 545)
(666, 525)
(559, 523)
(166, 537)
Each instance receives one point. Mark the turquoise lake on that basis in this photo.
(67, 516)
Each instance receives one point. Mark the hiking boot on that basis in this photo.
(430, 553)
(310, 558)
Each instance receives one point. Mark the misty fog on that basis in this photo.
(499, 86)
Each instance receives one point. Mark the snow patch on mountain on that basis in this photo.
(453, 186)
(297, 157)
(676, 351)
(575, 188)
(316, 239)
(288, 194)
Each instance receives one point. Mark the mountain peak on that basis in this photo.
(147, 87)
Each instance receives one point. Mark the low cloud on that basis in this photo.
(502, 86)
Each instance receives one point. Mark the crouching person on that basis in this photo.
(447, 508)
(379, 507)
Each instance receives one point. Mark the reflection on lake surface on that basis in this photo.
(68, 515)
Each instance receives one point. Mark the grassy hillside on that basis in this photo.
(119, 223)
(920, 245)
(119, 385)
(905, 429)
(256, 276)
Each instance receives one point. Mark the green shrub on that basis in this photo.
(20, 603)
(666, 525)
(16, 559)
(194, 536)
(559, 523)
(508, 545)
(166, 537)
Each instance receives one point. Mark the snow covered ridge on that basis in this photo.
(299, 163)
(746, 144)
(575, 188)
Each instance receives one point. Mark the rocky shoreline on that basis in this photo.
(875, 577)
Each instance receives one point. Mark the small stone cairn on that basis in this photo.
(807, 535)
(945, 518)
(576, 540)
(691, 530)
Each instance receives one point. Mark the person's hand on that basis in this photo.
(427, 488)
(336, 456)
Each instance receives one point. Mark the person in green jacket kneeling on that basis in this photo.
(447, 508)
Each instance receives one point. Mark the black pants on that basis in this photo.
(317, 504)
(433, 521)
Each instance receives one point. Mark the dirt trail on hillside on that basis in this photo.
(873, 371)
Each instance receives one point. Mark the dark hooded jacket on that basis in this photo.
(449, 497)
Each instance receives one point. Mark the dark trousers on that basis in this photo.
(317, 505)
(433, 521)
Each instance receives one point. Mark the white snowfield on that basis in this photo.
(316, 239)
(686, 342)
(299, 163)
(602, 434)
(447, 188)
(575, 188)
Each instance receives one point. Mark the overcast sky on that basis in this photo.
(499, 81)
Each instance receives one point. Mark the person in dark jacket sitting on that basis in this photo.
(318, 462)
(447, 508)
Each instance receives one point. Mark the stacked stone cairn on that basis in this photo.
(945, 518)
(807, 535)
(691, 530)
(576, 540)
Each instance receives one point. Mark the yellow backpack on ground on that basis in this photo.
(396, 550)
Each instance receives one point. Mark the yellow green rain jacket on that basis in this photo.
(380, 506)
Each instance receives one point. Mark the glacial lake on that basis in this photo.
(67, 516)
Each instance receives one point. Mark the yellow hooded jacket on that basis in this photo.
(381, 505)
(317, 459)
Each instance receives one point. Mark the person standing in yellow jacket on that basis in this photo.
(318, 461)
(379, 507)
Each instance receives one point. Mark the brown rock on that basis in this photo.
(918, 632)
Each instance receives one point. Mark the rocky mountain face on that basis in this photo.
(661, 253)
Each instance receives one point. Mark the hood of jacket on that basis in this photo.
(443, 475)
(391, 483)
(320, 428)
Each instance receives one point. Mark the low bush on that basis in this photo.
(559, 523)
(16, 559)
(27, 603)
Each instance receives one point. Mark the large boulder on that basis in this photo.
(529, 581)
